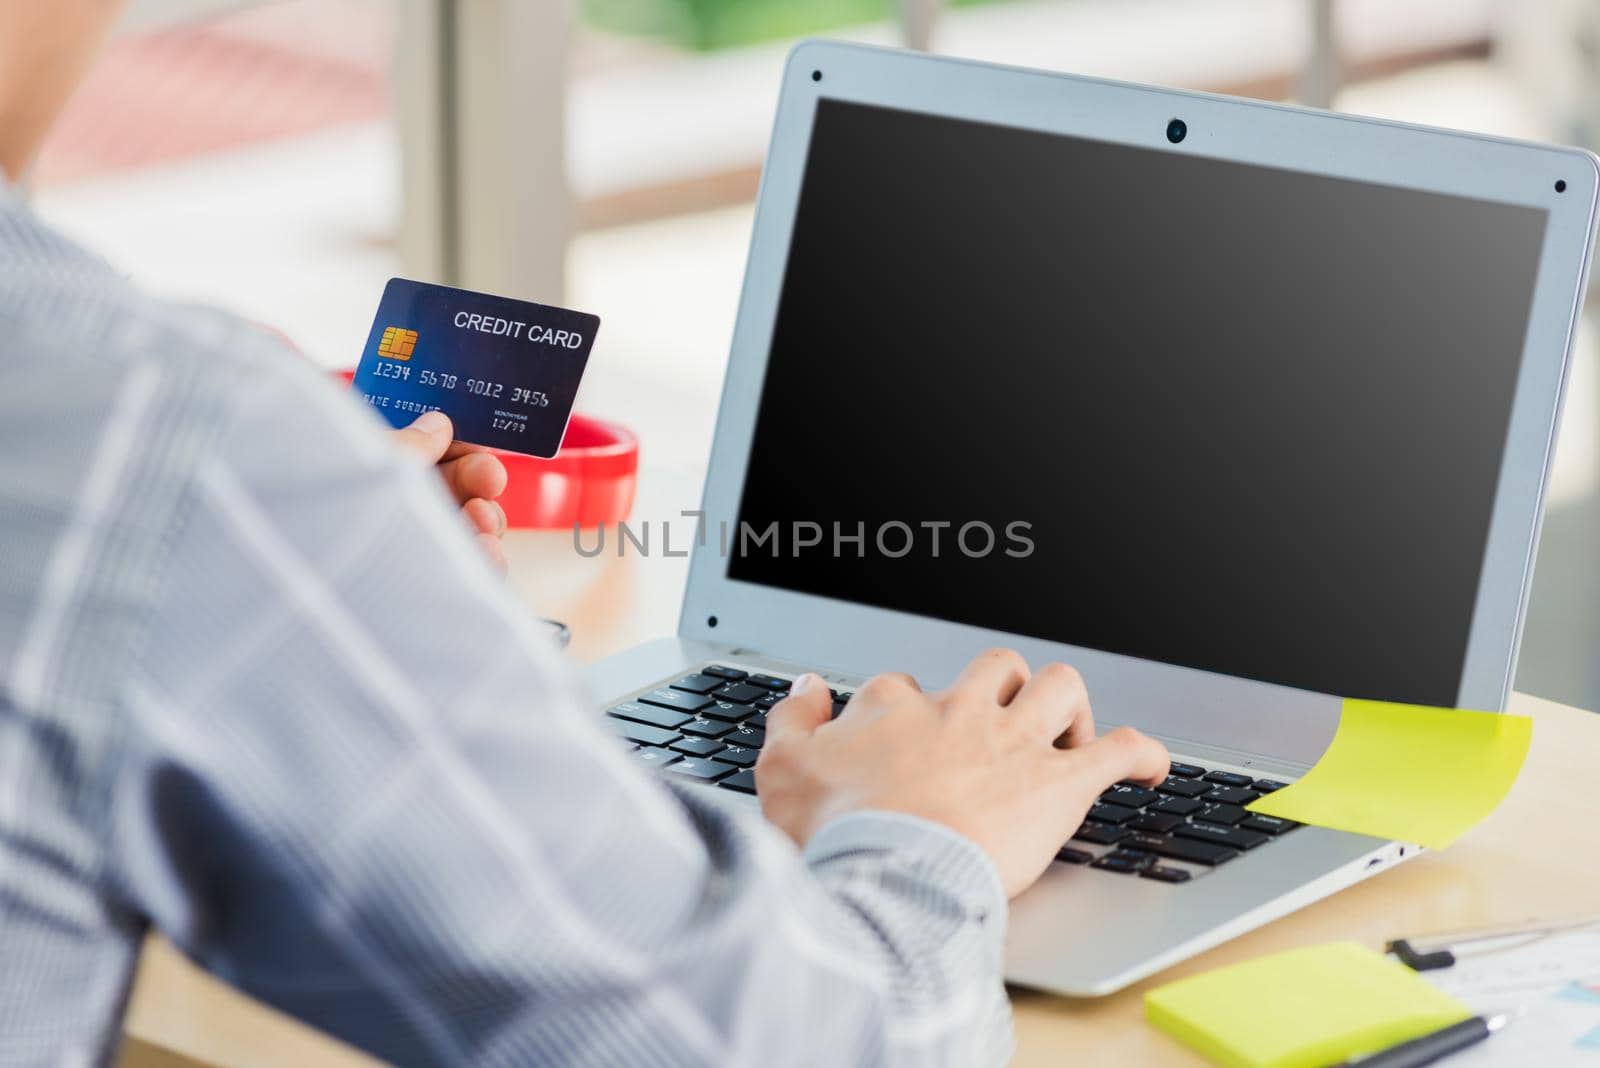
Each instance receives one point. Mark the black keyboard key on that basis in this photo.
(1266, 786)
(742, 781)
(643, 733)
(838, 708)
(741, 693)
(1208, 853)
(1176, 806)
(699, 683)
(734, 754)
(1118, 814)
(1272, 825)
(1231, 837)
(1228, 778)
(696, 747)
(726, 710)
(1155, 822)
(1146, 842)
(706, 728)
(722, 671)
(683, 702)
(1224, 814)
(771, 682)
(656, 717)
(1121, 863)
(755, 719)
(1128, 794)
(1187, 771)
(1099, 833)
(701, 769)
(748, 737)
(1183, 788)
(659, 757)
(1163, 874)
(1231, 795)
(768, 700)
(1073, 856)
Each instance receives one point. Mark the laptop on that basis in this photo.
(1238, 408)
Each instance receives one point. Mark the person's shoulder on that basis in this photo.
(65, 310)
(84, 343)
(89, 319)
(87, 351)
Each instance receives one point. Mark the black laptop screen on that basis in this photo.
(1222, 416)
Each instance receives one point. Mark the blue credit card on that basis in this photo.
(505, 371)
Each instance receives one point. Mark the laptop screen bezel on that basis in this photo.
(1177, 703)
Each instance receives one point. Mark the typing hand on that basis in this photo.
(475, 477)
(1006, 758)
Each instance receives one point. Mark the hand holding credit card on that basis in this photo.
(505, 371)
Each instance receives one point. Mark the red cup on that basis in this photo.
(589, 481)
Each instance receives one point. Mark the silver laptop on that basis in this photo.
(1238, 408)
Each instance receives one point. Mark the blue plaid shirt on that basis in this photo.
(259, 692)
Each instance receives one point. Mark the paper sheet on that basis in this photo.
(1407, 772)
(1550, 984)
(1304, 1008)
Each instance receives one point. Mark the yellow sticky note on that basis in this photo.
(1303, 1008)
(1407, 772)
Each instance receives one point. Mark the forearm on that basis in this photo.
(685, 936)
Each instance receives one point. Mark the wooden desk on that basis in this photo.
(1519, 865)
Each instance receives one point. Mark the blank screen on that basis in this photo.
(1252, 418)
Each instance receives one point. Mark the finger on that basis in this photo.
(808, 706)
(477, 474)
(428, 437)
(491, 547)
(1056, 701)
(1120, 754)
(995, 675)
(883, 690)
(486, 517)
(463, 448)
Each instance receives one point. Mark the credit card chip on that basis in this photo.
(397, 343)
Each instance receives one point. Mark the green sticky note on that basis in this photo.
(1304, 1008)
(1408, 772)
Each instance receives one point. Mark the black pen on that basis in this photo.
(1432, 1047)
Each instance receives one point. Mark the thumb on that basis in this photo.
(808, 706)
(428, 437)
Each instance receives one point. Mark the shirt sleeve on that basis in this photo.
(362, 786)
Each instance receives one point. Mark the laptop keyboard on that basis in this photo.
(709, 726)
